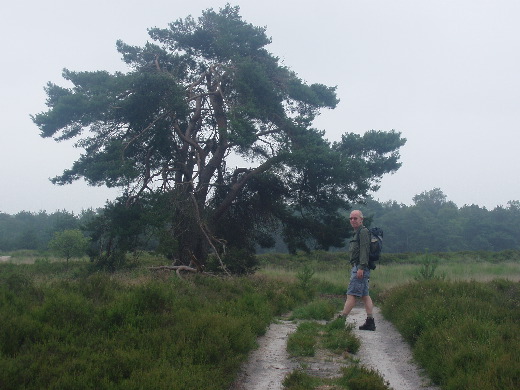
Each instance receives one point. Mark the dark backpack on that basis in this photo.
(376, 246)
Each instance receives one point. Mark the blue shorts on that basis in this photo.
(358, 287)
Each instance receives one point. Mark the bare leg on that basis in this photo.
(349, 304)
(369, 306)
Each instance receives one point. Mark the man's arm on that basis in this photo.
(364, 248)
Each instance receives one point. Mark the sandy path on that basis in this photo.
(268, 365)
(386, 351)
(383, 350)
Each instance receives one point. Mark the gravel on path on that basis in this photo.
(383, 350)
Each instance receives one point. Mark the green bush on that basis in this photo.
(338, 338)
(300, 380)
(319, 309)
(305, 275)
(303, 341)
(333, 336)
(428, 269)
(356, 377)
(462, 333)
(69, 243)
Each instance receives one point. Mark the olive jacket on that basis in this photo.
(359, 248)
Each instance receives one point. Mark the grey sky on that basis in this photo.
(444, 73)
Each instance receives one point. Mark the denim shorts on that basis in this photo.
(358, 287)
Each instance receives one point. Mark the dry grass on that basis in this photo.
(392, 275)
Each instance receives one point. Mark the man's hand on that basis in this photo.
(360, 273)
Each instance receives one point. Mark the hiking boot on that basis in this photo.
(368, 325)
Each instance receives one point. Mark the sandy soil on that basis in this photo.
(383, 350)
(270, 363)
(386, 351)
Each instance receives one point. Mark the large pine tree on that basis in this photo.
(210, 122)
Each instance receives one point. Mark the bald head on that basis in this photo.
(356, 219)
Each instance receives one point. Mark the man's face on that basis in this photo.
(355, 220)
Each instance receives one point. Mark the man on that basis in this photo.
(358, 287)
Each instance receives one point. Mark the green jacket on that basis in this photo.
(359, 248)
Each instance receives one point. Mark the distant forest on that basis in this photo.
(26, 230)
(435, 224)
(431, 223)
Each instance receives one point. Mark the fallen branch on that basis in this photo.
(176, 268)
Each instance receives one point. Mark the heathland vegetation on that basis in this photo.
(68, 325)
(64, 327)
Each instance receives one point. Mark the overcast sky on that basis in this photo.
(444, 73)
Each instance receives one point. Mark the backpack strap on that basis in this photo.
(358, 232)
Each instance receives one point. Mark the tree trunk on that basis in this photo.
(188, 228)
(193, 248)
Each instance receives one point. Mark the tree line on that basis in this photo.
(431, 223)
(34, 231)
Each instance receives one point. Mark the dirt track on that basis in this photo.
(383, 350)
